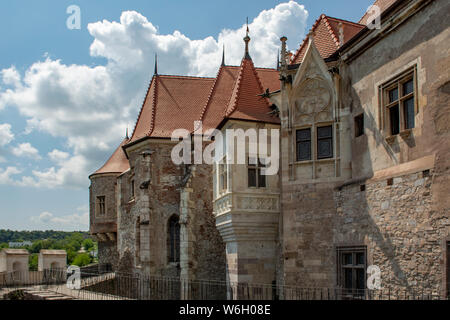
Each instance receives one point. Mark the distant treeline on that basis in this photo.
(17, 236)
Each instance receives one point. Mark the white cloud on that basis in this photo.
(6, 136)
(58, 156)
(90, 107)
(77, 221)
(26, 150)
(10, 76)
(5, 175)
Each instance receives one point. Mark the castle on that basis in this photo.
(364, 119)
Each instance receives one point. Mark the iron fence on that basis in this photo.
(100, 283)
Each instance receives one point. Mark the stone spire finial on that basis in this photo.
(278, 59)
(341, 34)
(247, 40)
(156, 64)
(223, 56)
(126, 135)
(283, 52)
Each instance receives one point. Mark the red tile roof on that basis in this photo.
(326, 36)
(117, 163)
(245, 104)
(382, 4)
(174, 102)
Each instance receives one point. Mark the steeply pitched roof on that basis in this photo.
(117, 163)
(382, 4)
(326, 32)
(172, 102)
(245, 104)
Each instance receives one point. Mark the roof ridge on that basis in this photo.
(236, 88)
(347, 21)
(184, 77)
(211, 92)
(155, 93)
(142, 107)
(316, 23)
(330, 29)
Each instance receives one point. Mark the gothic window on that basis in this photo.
(359, 125)
(399, 103)
(325, 142)
(351, 263)
(303, 140)
(222, 176)
(100, 206)
(255, 177)
(173, 239)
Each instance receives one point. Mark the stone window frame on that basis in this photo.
(341, 267)
(314, 141)
(173, 239)
(257, 167)
(222, 176)
(100, 206)
(385, 104)
(299, 141)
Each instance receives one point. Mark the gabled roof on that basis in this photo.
(326, 32)
(382, 4)
(117, 163)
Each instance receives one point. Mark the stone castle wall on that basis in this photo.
(396, 222)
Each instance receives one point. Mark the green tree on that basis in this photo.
(33, 262)
(88, 244)
(82, 259)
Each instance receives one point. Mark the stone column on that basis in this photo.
(143, 170)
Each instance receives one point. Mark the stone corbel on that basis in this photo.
(111, 236)
(102, 237)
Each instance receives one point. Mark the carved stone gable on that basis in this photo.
(313, 102)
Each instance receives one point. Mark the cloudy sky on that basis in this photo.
(68, 95)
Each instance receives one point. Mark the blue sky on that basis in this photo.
(67, 96)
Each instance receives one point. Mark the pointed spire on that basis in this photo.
(126, 136)
(278, 59)
(156, 64)
(247, 40)
(223, 56)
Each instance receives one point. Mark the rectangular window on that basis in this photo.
(359, 125)
(101, 208)
(222, 176)
(303, 140)
(324, 142)
(255, 177)
(399, 103)
(132, 189)
(352, 270)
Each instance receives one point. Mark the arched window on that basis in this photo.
(173, 239)
(16, 266)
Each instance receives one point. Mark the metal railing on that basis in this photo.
(101, 283)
